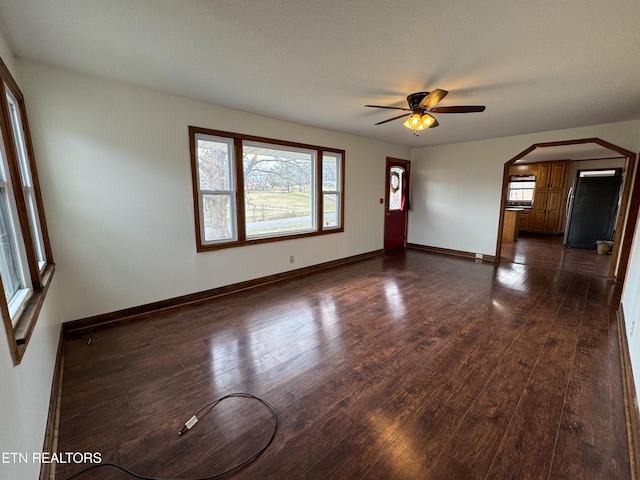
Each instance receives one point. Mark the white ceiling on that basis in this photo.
(537, 65)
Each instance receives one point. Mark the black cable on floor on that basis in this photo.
(210, 406)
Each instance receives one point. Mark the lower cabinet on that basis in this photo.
(525, 217)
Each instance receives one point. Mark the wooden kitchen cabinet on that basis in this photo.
(558, 176)
(548, 204)
(525, 216)
(544, 174)
(511, 224)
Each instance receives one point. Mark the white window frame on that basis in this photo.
(16, 303)
(231, 193)
(338, 158)
(28, 189)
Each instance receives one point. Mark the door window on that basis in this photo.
(396, 188)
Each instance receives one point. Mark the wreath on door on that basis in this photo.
(395, 182)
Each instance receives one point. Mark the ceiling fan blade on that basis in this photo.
(390, 108)
(394, 118)
(433, 98)
(459, 109)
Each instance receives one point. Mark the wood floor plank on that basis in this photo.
(528, 444)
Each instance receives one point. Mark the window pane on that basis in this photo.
(9, 261)
(331, 183)
(395, 188)
(214, 164)
(521, 195)
(278, 189)
(331, 210)
(18, 138)
(27, 183)
(330, 172)
(218, 216)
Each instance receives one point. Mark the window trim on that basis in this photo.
(229, 193)
(238, 170)
(19, 330)
(338, 192)
(515, 179)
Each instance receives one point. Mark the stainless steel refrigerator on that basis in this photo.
(592, 208)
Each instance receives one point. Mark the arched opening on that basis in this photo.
(628, 205)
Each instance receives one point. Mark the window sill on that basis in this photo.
(258, 240)
(27, 321)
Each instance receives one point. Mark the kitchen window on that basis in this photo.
(250, 189)
(521, 190)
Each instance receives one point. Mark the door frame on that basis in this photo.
(629, 204)
(406, 164)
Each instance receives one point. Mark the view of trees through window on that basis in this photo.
(252, 189)
(331, 189)
(216, 187)
(278, 189)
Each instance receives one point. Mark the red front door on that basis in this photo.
(396, 203)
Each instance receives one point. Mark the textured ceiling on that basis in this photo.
(542, 65)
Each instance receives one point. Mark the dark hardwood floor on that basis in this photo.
(407, 366)
(547, 251)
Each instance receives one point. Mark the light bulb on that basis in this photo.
(427, 120)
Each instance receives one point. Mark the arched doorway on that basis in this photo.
(629, 204)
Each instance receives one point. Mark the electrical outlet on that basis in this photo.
(291, 259)
(479, 256)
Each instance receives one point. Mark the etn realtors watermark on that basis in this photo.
(51, 457)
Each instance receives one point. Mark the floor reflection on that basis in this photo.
(395, 300)
(547, 251)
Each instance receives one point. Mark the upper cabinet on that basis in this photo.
(548, 206)
(552, 175)
(548, 202)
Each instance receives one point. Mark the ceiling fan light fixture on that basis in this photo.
(420, 126)
(418, 122)
(415, 120)
(421, 105)
(426, 120)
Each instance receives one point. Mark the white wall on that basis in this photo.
(631, 308)
(25, 390)
(115, 174)
(457, 187)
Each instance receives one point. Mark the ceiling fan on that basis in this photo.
(422, 105)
